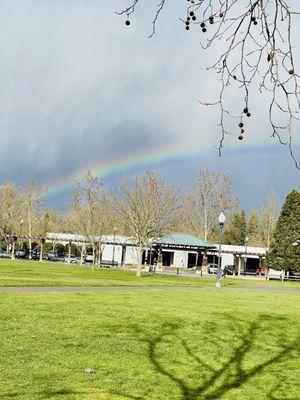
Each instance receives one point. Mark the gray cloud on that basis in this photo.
(78, 86)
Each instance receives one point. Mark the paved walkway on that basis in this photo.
(38, 289)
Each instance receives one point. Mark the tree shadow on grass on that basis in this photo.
(44, 394)
(217, 378)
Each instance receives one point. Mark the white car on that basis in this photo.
(274, 274)
(89, 258)
(73, 259)
(212, 269)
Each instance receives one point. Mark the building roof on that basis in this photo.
(184, 240)
(240, 250)
(175, 240)
(65, 238)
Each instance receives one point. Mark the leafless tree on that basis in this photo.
(211, 195)
(269, 216)
(10, 212)
(147, 207)
(89, 213)
(257, 57)
(254, 229)
(33, 212)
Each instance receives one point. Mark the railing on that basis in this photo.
(294, 277)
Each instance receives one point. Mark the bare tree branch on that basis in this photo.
(258, 58)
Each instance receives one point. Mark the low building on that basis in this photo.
(244, 259)
(179, 250)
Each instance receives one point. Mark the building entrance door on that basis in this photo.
(192, 260)
(168, 258)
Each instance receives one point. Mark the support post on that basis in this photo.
(218, 278)
(239, 265)
(69, 252)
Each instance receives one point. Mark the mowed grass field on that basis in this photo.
(34, 273)
(180, 344)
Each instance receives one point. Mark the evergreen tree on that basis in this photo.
(254, 229)
(236, 230)
(284, 255)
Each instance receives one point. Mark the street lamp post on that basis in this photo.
(115, 229)
(150, 254)
(21, 233)
(245, 262)
(221, 226)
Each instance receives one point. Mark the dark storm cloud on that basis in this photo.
(74, 89)
(77, 86)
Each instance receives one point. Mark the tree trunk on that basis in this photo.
(41, 251)
(99, 256)
(81, 255)
(140, 257)
(94, 254)
(13, 257)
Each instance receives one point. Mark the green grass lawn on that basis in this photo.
(177, 345)
(26, 273)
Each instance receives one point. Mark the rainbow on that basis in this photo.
(105, 168)
(146, 158)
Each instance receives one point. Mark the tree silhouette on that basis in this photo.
(232, 373)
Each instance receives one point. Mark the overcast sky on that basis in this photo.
(79, 88)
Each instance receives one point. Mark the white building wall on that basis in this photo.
(227, 259)
(180, 259)
(108, 251)
(131, 255)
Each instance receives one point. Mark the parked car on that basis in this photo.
(73, 259)
(229, 270)
(35, 254)
(20, 254)
(52, 256)
(89, 257)
(4, 254)
(212, 269)
(293, 276)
